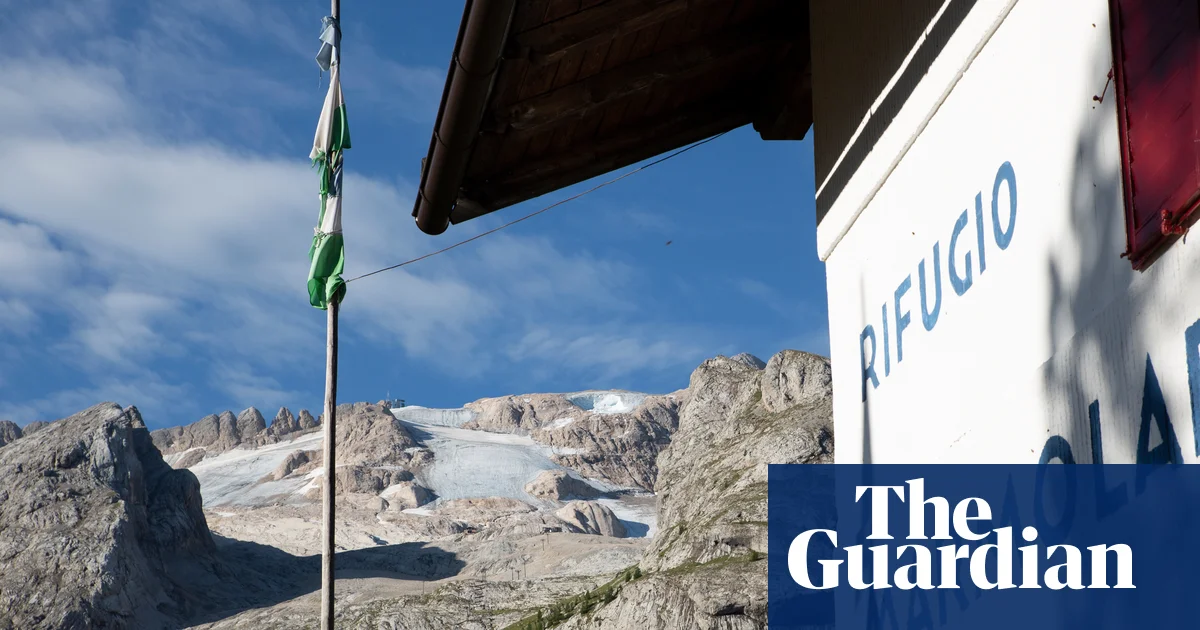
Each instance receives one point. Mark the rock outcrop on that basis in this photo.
(216, 433)
(619, 446)
(749, 360)
(34, 427)
(375, 453)
(370, 435)
(250, 423)
(190, 458)
(794, 378)
(588, 517)
(706, 566)
(306, 420)
(365, 479)
(296, 461)
(283, 424)
(9, 432)
(519, 414)
(406, 494)
(91, 522)
(559, 485)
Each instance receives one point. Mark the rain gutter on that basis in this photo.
(482, 35)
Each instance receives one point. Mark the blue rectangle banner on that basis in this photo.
(1031, 546)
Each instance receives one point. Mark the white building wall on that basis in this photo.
(1055, 323)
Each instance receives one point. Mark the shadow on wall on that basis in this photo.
(249, 575)
(1105, 386)
(866, 404)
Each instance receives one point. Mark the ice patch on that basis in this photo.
(638, 514)
(314, 481)
(174, 458)
(561, 423)
(231, 478)
(471, 464)
(434, 417)
(607, 402)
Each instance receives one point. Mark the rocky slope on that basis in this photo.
(706, 568)
(92, 521)
(100, 532)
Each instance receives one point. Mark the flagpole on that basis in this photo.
(330, 427)
(327, 496)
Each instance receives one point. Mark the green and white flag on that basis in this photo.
(327, 255)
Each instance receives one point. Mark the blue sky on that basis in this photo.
(157, 204)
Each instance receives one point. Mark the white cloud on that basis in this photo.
(609, 352)
(148, 391)
(17, 319)
(243, 383)
(120, 325)
(152, 239)
(31, 262)
(197, 249)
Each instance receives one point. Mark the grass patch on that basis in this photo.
(581, 604)
(715, 563)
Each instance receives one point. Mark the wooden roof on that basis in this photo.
(583, 87)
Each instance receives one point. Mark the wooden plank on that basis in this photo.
(506, 89)
(604, 22)
(644, 44)
(568, 71)
(539, 145)
(559, 9)
(529, 14)
(632, 144)
(484, 155)
(538, 80)
(611, 117)
(511, 151)
(668, 35)
(564, 138)
(618, 54)
(595, 58)
(671, 67)
(632, 112)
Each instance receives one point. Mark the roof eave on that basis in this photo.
(482, 35)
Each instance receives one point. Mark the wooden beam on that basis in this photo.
(785, 107)
(673, 66)
(632, 145)
(552, 41)
(785, 112)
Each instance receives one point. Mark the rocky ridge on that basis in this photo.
(217, 433)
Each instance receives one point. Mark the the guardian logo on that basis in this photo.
(968, 519)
